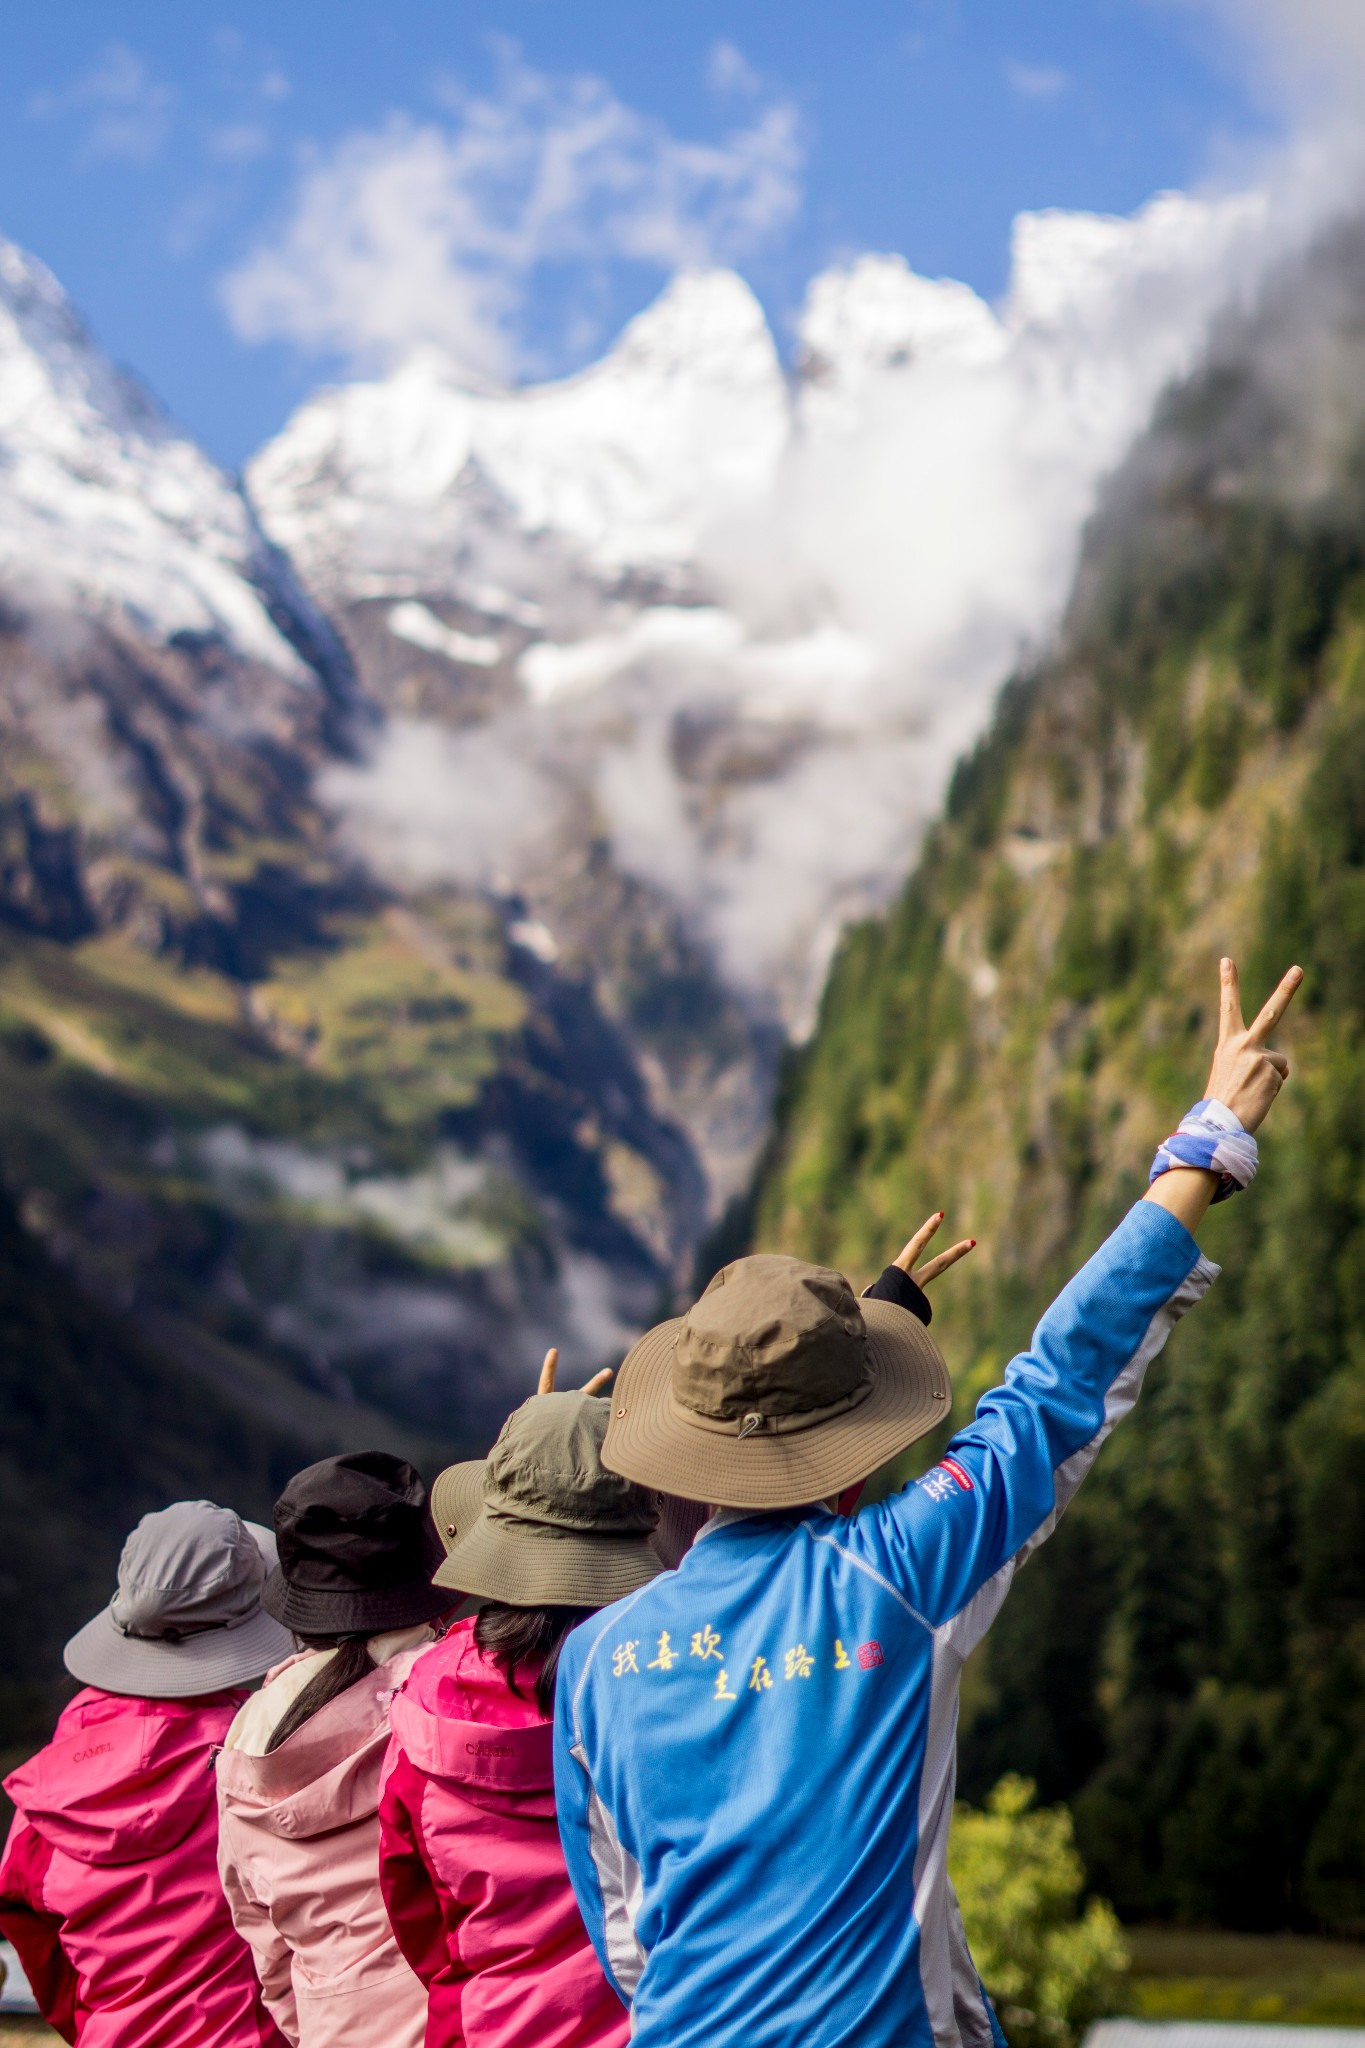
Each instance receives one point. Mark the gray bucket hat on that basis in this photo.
(541, 1522)
(187, 1616)
(776, 1388)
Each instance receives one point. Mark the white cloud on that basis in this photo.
(431, 232)
(1300, 57)
(431, 802)
(237, 142)
(1036, 81)
(128, 109)
(728, 70)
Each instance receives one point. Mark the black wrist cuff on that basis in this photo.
(896, 1285)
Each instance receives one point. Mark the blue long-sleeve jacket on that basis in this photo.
(755, 1754)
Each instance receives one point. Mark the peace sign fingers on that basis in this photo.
(1245, 1076)
(550, 1369)
(1274, 1008)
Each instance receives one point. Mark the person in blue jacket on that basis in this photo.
(755, 1753)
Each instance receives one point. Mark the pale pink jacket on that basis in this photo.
(299, 1859)
(471, 1866)
(109, 1882)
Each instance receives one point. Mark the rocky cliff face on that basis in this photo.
(344, 1157)
(1182, 777)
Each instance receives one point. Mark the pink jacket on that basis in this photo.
(109, 1884)
(472, 1870)
(298, 1855)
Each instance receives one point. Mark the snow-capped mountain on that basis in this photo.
(108, 509)
(723, 629)
(167, 687)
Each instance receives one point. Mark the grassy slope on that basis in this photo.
(1187, 1659)
(104, 1050)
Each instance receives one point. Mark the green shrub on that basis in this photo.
(1049, 1967)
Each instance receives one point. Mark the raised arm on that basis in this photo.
(953, 1538)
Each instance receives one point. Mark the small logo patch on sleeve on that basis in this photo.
(963, 1477)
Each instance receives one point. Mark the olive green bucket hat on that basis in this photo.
(540, 1522)
(776, 1388)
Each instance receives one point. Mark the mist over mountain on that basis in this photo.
(733, 624)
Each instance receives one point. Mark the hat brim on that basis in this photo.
(144, 1667)
(530, 1564)
(313, 1611)
(654, 1441)
(457, 1501)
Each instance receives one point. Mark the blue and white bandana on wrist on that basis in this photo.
(1210, 1136)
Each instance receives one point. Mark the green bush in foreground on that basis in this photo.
(1049, 1967)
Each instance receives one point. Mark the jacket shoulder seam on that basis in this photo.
(861, 1564)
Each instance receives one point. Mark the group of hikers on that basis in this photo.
(685, 1772)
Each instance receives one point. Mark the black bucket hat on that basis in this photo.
(357, 1549)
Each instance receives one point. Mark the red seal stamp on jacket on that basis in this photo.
(870, 1655)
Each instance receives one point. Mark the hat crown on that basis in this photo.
(355, 1523)
(546, 1467)
(773, 1337)
(186, 1569)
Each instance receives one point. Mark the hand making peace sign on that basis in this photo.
(1245, 1077)
(548, 1370)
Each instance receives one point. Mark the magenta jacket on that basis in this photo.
(471, 1867)
(109, 1884)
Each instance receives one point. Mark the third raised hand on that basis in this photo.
(1246, 1075)
(550, 1367)
(930, 1270)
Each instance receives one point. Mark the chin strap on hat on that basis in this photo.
(1211, 1137)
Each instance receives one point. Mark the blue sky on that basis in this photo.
(194, 174)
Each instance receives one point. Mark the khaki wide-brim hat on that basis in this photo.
(539, 1523)
(761, 1445)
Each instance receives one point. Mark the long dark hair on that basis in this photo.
(514, 1636)
(350, 1664)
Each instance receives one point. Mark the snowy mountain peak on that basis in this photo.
(706, 325)
(44, 347)
(107, 507)
(878, 315)
(380, 489)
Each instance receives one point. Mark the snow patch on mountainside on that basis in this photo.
(104, 506)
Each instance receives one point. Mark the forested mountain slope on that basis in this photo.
(1184, 776)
